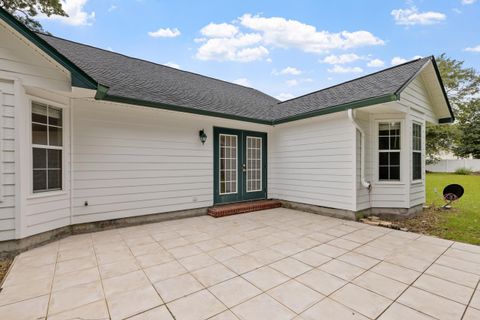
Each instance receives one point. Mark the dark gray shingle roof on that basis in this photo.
(137, 79)
(381, 83)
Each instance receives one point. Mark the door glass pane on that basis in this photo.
(254, 164)
(228, 164)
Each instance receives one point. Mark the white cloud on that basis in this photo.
(342, 69)
(288, 71)
(457, 11)
(341, 59)
(242, 48)
(165, 33)
(464, 2)
(375, 63)
(411, 17)
(242, 82)
(473, 49)
(280, 32)
(77, 16)
(112, 8)
(397, 60)
(292, 82)
(172, 65)
(225, 41)
(220, 30)
(284, 96)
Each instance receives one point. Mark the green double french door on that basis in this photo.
(240, 165)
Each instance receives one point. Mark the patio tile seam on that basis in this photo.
(101, 282)
(351, 282)
(51, 285)
(471, 298)
(410, 285)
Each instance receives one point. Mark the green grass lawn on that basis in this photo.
(462, 223)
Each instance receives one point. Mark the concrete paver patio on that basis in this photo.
(272, 264)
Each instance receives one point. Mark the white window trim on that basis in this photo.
(261, 166)
(422, 151)
(43, 194)
(376, 152)
(220, 166)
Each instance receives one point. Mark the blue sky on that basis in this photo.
(284, 48)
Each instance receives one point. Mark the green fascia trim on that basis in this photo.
(342, 107)
(435, 66)
(101, 92)
(79, 77)
(113, 98)
(446, 120)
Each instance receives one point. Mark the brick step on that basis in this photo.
(242, 207)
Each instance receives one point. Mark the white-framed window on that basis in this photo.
(47, 147)
(417, 155)
(389, 147)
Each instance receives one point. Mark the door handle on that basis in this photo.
(244, 167)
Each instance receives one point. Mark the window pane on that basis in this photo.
(54, 179)
(395, 128)
(383, 129)
(417, 166)
(417, 137)
(395, 173)
(395, 143)
(54, 159)
(383, 159)
(39, 158)
(383, 143)
(39, 113)
(394, 158)
(55, 136)
(39, 134)
(39, 180)
(383, 173)
(54, 116)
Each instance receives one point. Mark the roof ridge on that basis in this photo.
(355, 79)
(154, 63)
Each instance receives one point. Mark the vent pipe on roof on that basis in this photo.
(364, 182)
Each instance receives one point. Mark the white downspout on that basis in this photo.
(364, 182)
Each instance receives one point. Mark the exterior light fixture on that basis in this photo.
(202, 135)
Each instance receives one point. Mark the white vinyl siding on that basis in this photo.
(131, 161)
(7, 161)
(416, 96)
(311, 162)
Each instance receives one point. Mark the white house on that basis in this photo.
(90, 135)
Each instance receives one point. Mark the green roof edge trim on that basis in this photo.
(101, 92)
(342, 107)
(112, 98)
(446, 120)
(79, 77)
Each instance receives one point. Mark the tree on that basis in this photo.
(468, 143)
(461, 85)
(26, 10)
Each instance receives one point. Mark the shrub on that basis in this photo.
(464, 171)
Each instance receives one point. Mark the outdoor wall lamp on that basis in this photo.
(202, 135)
